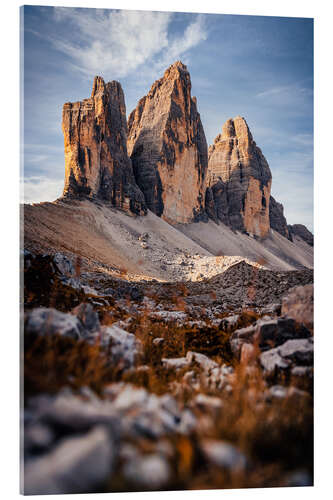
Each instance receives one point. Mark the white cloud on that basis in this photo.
(37, 189)
(194, 34)
(115, 43)
(111, 42)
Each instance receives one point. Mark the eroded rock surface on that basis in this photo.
(301, 231)
(168, 148)
(298, 304)
(277, 220)
(240, 179)
(96, 160)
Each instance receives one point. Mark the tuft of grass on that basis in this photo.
(52, 362)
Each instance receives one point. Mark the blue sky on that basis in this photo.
(257, 67)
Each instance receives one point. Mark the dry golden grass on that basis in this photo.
(276, 435)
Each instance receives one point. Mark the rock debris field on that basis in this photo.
(153, 385)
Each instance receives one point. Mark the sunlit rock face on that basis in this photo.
(96, 161)
(240, 179)
(168, 148)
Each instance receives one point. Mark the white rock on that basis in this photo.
(178, 316)
(271, 361)
(48, 321)
(130, 397)
(204, 362)
(149, 471)
(175, 363)
(158, 341)
(125, 347)
(223, 454)
(208, 402)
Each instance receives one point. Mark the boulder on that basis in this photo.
(125, 348)
(77, 465)
(48, 321)
(89, 319)
(50, 280)
(267, 334)
(223, 454)
(150, 472)
(298, 304)
(298, 352)
(67, 412)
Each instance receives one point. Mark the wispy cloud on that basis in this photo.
(293, 97)
(275, 91)
(194, 33)
(37, 189)
(115, 43)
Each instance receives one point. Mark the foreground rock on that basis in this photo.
(240, 179)
(168, 148)
(225, 455)
(149, 471)
(267, 333)
(96, 160)
(125, 348)
(75, 441)
(76, 465)
(48, 321)
(291, 356)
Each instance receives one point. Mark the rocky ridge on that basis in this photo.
(302, 232)
(170, 172)
(277, 220)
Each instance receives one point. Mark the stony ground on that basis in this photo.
(149, 385)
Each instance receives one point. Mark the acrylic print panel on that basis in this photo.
(168, 251)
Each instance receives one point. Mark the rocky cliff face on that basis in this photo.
(168, 148)
(240, 179)
(301, 231)
(96, 160)
(277, 219)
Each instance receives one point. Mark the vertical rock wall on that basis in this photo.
(277, 219)
(168, 148)
(240, 179)
(96, 160)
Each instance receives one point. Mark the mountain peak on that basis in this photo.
(97, 165)
(168, 148)
(240, 179)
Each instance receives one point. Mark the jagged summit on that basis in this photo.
(239, 179)
(159, 160)
(96, 160)
(168, 148)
